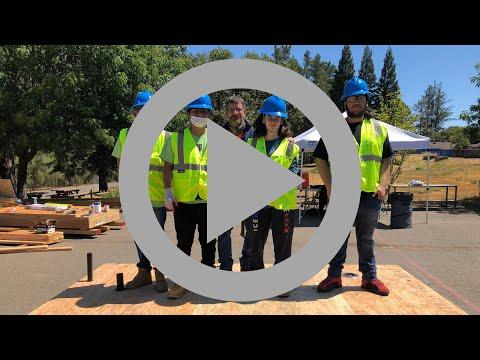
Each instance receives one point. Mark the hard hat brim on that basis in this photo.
(278, 113)
(356, 93)
(199, 106)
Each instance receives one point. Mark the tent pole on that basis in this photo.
(428, 182)
(300, 207)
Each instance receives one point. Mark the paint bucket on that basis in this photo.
(97, 207)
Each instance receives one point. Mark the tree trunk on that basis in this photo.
(22, 176)
(23, 161)
(102, 179)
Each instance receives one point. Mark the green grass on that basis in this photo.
(465, 173)
(114, 192)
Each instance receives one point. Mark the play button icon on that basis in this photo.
(241, 180)
(235, 172)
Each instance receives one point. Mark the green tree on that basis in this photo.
(432, 110)
(30, 84)
(388, 83)
(444, 134)
(459, 139)
(282, 55)
(344, 72)
(367, 73)
(395, 112)
(320, 72)
(472, 116)
(106, 80)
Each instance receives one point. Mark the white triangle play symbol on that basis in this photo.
(241, 181)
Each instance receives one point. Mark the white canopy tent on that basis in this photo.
(399, 139)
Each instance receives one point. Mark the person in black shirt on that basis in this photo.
(375, 177)
(237, 124)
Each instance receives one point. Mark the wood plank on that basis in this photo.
(408, 296)
(18, 249)
(31, 235)
(18, 216)
(91, 232)
(7, 229)
(117, 223)
(59, 248)
(29, 242)
(116, 227)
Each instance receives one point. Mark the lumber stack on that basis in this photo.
(21, 240)
(75, 218)
(13, 236)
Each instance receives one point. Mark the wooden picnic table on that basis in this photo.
(36, 194)
(67, 192)
(446, 186)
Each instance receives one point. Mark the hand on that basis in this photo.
(381, 192)
(170, 201)
(291, 140)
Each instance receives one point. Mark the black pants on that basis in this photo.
(187, 217)
(282, 223)
(144, 263)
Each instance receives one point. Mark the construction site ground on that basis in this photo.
(444, 255)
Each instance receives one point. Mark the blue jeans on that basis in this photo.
(161, 214)
(365, 223)
(245, 259)
(225, 251)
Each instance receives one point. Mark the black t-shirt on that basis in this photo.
(321, 151)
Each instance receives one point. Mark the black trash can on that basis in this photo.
(401, 214)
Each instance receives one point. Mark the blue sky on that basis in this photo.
(417, 67)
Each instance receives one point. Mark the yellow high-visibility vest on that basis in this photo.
(284, 155)
(189, 168)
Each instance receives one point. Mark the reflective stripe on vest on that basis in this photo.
(284, 155)
(155, 173)
(370, 150)
(189, 168)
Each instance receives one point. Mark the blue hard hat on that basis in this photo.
(203, 102)
(274, 106)
(354, 87)
(141, 99)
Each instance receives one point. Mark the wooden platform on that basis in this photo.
(19, 216)
(27, 237)
(408, 295)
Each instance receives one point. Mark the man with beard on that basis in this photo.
(375, 155)
(237, 124)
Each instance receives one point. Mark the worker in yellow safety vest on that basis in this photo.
(375, 154)
(156, 191)
(185, 157)
(271, 137)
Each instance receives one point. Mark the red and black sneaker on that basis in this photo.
(329, 283)
(375, 286)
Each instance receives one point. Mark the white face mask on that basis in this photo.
(198, 121)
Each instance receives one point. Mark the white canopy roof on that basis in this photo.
(399, 139)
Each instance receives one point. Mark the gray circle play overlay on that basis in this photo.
(240, 74)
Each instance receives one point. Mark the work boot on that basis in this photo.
(160, 281)
(176, 291)
(143, 278)
(375, 286)
(329, 283)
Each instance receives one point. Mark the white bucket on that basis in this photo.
(96, 207)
